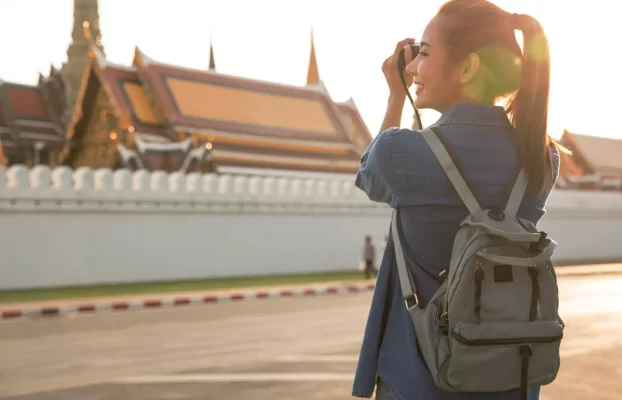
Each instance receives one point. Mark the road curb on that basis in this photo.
(179, 301)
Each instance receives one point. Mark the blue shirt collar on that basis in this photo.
(470, 113)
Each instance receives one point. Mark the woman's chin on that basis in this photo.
(420, 102)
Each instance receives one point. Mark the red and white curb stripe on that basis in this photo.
(177, 301)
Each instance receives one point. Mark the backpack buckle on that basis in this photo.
(411, 298)
(442, 321)
(540, 244)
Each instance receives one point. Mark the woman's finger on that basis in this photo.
(400, 45)
(408, 54)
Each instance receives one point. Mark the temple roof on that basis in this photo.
(209, 100)
(595, 154)
(355, 125)
(55, 94)
(125, 91)
(249, 123)
(26, 115)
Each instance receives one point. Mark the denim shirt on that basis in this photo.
(400, 169)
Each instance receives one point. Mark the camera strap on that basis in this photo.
(401, 66)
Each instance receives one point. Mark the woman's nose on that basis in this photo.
(411, 68)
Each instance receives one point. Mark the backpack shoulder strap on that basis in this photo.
(407, 283)
(457, 180)
(516, 195)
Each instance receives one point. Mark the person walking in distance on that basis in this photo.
(467, 60)
(369, 255)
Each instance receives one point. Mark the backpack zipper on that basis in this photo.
(509, 341)
(449, 294)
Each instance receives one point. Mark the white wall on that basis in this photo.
(63, 227)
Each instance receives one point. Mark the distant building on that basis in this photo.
(34, 118)
(33, 121)
(595, 155)
(595, 163)
(159, 116)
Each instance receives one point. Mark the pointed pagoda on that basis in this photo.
(212, 62)
(313, 74)
(158, 116)
(85, 13)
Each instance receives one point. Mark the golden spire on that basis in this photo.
(313, 75)
(86, 11)
(212, 62)
(87, 35)
(79, 49)
(137, 57)
(95, 51)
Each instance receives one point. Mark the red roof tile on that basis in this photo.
(26, 114)
(267, 125)
(27, 102)
(157, 77)
(116, 78)
(362, 137)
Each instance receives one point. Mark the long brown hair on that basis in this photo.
(478, 26)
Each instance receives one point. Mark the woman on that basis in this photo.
(469, 58)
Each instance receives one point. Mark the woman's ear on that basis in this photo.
(469, 68)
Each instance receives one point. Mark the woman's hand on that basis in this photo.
(391, 73)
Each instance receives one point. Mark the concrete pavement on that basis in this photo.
(287, 348)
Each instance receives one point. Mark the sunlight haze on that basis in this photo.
(270, 40)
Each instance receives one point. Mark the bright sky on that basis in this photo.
(270, 40)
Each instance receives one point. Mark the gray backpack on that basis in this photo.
(493, 325)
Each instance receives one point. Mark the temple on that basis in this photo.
(33, 121)
(155, 115)
(595, 162)
(158, 116)
(595, 155)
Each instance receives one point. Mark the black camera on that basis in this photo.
(415, 48)
(401, 65)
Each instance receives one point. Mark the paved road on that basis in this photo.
(297, 348)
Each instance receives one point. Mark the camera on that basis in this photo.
(415, 48)
(401, 65)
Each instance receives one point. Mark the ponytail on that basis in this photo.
(528, 109)
(522, 77)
